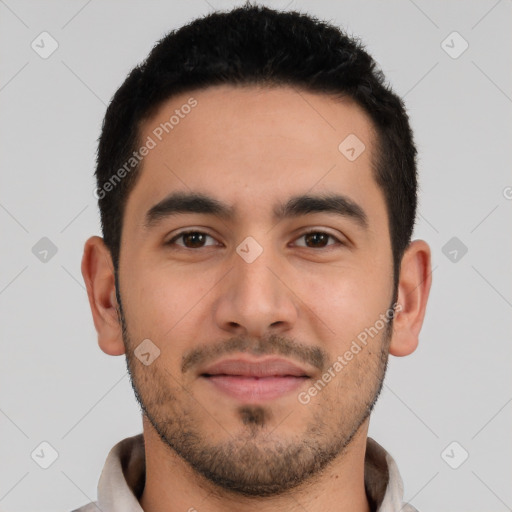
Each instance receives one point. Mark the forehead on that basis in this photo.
(250, 146)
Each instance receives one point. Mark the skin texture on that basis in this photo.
(302, 298)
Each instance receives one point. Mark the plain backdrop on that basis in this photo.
(450, 400)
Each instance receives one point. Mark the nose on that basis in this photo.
(255, 299)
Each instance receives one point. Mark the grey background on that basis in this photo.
(55, 383)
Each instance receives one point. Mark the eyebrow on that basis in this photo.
(195, 202)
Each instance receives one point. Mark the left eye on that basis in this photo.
(317, 237)
(196, 239)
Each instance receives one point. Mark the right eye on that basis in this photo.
(191, 239)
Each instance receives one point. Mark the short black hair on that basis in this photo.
(256, 45)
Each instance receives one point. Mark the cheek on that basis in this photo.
(348, 298)
(163, 301)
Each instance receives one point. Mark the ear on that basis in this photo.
(98, 274)
(413, 290)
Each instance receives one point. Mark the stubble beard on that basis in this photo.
(254, 461)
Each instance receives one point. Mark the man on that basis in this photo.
(257, 188)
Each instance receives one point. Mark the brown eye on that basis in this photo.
(191, 239)
(317, 239)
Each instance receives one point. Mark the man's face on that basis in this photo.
(255, 287)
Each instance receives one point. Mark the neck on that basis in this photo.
(172, 485)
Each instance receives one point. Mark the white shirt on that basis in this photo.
(123, 477)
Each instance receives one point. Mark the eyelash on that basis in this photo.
(313, 231)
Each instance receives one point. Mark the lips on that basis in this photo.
(254, 381)
(245, 368)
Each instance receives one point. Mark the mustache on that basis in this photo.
(272, 344)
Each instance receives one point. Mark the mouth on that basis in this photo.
(255, 381)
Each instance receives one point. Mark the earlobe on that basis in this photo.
(98, 274)
(413, 290)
